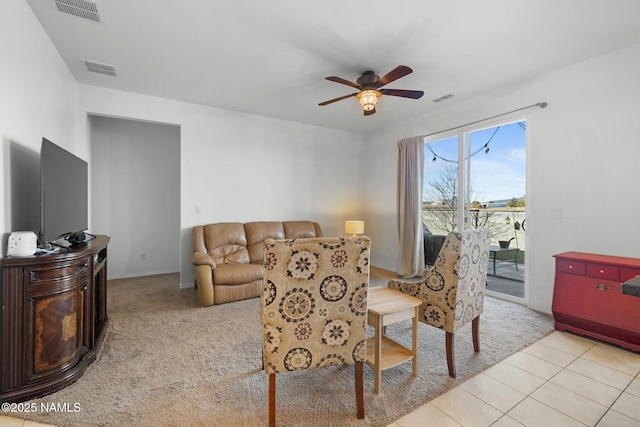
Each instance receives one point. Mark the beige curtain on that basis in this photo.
(410, 177)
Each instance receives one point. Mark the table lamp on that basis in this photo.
(354, 228)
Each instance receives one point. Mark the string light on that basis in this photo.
(485, 147)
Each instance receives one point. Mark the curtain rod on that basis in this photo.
(537, 104)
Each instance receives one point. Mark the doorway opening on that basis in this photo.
(135, 194)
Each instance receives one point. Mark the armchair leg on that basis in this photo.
(475, 331)
(360, 390)
(451, 364)
(272, 400)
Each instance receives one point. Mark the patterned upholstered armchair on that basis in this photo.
(314, 307)
(453, 290)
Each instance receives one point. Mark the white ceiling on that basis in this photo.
(270, 57)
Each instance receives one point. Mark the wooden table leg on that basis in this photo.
(415, 343)
(378, 370)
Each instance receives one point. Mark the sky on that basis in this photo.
(496, 175)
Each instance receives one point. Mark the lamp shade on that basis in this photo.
(354, 227)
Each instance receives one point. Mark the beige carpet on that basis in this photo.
(168, 362)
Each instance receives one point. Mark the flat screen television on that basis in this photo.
(64, 196)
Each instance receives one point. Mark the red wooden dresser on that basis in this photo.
(588, 297)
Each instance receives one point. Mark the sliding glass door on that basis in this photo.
(477, 179)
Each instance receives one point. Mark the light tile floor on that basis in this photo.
(561, 380)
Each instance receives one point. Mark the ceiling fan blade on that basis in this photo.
(370, 112)
(338, 99)
(414, 94)
(395, 74)
(343, 81)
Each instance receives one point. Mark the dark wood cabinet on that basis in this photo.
(54, 313)
(588, 297)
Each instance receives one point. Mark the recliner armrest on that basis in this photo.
(201, 258)
(204, 285)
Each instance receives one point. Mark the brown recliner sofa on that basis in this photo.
(228, 256)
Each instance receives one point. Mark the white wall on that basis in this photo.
(135, 184)
(241, 167)
(582, 165)
(38, 99)
(582, 154)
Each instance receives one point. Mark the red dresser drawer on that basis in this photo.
(603, 271)
(582, 297)
(572, 267)
(598, 301)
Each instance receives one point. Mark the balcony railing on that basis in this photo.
(504, 223)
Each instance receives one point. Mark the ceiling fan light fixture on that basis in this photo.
(368, 98)
(369, 85)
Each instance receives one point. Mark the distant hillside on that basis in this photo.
(492, 202)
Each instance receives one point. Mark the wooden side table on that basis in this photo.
(385, 307)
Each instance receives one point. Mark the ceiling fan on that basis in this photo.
(370, 84)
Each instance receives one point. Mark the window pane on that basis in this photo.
(440, 192)
(498, 181)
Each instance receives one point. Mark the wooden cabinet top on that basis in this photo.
(601, 259)
(74, 252)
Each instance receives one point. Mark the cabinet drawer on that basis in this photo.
(571, 267)
(598, 301)
(47, 273)
(603, 271)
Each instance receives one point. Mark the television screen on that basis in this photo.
(64, 195)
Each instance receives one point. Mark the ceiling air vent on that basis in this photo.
(442, 98)
(96, 67)
(82, 8)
